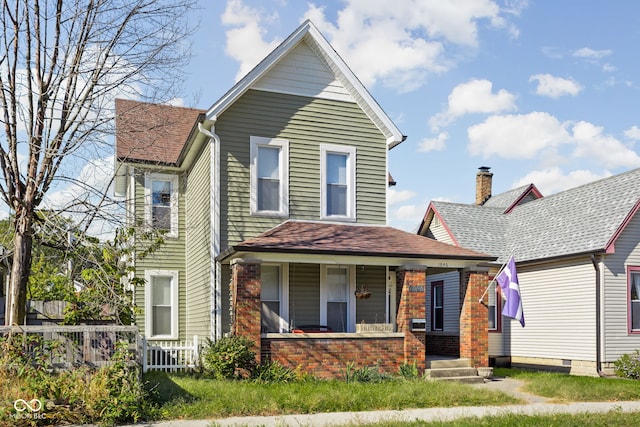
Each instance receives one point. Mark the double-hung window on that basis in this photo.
(633, 278)
(269, 176)
(273, 296)
(337, 309)
(338, 182)
(437, 306)
(161, 290)
(161, 203)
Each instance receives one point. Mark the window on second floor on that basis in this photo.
(338, 182)
(161, 203)
(269, 176)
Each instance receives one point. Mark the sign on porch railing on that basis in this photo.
(170, 356)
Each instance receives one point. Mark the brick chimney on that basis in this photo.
(483, 185)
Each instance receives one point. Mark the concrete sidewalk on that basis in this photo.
(535, 405)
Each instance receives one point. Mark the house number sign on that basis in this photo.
(416, 288)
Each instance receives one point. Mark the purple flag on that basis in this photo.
(508, 281)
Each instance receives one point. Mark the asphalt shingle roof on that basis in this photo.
(343, 239)
(152, 133)
(579, 220)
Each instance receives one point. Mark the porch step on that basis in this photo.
(459, 370)
(451, 372)
(449, 363)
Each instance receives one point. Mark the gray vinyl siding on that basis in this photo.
(617, 339)
(305, 123)
(438, 232)
(170, 256)
(451, 315)
(198, 258)
(304, 294)
(559, 308)
(373, 309)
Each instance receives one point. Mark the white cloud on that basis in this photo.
(555, 87)
(398, 196)
(245, 41)
(408, 35)
(434, 144)
(520, 136)
(632, 133)
(538, 134)
(475, 96)
(408, 213)
(553, 180)
(592, 143)
(592, 54)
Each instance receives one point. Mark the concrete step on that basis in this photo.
(466, 380)
(450, 363)
(451, 372)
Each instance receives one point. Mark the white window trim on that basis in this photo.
(148, 179)
(284, 296)
(351, 299)
(148, 274)
(255, 142)
(351, 181)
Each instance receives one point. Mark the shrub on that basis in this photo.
(273, 372)
(106, 395)
(231, 357)
(628, 365)
(364, 374)
(409, 371)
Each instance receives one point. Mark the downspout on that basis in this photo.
(598, 317)
(214, 201)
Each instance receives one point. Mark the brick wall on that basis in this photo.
(474, 333)
(245, 291)
(328, 357)
(443, 345)
(412, 284)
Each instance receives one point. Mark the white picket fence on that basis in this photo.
(170, 356)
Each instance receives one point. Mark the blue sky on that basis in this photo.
(541, 91)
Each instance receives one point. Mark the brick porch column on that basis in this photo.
(474, 328)
(246, 305)
(411, 284)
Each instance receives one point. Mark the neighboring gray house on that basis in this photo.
(578, 261)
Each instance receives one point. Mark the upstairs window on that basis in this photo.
(161, 203)
(337, 176)
(269, 176)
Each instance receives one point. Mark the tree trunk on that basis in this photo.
(17, 296)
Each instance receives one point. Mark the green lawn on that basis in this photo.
(179, 396)
(571, 388)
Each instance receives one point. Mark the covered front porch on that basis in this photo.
(323, 307)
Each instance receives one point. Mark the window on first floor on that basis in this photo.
(271, 298)
(437, 306)
(336, 306)
(634, 298)
(161, 304)
(494, 306)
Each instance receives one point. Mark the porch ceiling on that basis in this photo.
(303, 241)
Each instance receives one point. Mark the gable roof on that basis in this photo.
(152, 133)
(309, 33)
(585, 219)
(512, 198)
(321, 238)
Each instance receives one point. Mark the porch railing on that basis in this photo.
(170, 356)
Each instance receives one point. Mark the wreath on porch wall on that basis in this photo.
(362, 293)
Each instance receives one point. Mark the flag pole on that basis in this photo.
(496, 275)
